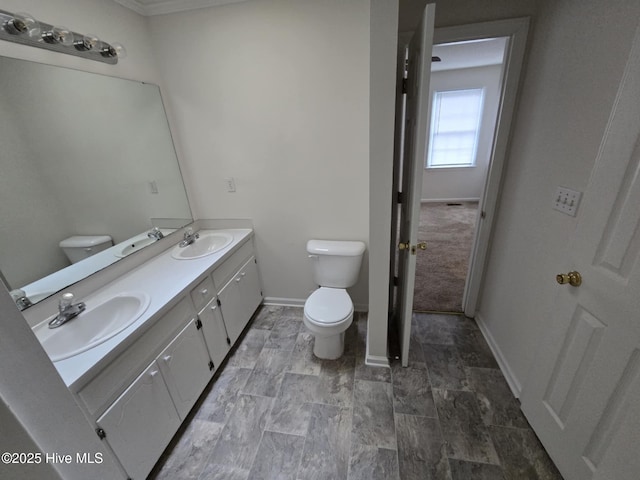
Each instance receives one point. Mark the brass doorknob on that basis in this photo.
(572, 278)
(403, 246)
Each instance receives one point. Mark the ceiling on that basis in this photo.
(160, 7)
(474, 53)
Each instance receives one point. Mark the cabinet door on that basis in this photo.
(140, 423)
(250, 287)
(185, 367)
(233, 312)
(239, 299)
(215, 333)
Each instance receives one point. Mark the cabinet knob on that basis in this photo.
(204, 291)
(167, 358)
(238, 280)
(243, 274)
(153, 373)
(213, 307)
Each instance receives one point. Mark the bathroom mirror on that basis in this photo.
(80, 154)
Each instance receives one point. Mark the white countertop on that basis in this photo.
(163, 278)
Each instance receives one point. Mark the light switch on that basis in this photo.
(567, 201)
(153, 187)
(231, 184)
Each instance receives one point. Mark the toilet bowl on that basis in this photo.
(328, 312)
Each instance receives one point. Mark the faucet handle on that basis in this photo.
(65, 301)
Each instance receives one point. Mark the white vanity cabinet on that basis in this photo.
(141, 422)
(137, 414)
(239, 298)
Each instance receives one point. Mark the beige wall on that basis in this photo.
(275, 94)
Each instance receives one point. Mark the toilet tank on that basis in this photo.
(336, 264)
(79, 247)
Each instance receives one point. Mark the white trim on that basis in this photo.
(297, 302)
(172, 6)
(449, 200)
(375, 360)
(509, 376)
(283, 302)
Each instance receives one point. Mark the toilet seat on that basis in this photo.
(328, 306)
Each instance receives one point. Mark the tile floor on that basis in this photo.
(274, 411)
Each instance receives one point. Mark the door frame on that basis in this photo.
(516, 29)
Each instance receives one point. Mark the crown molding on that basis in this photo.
(162, 7)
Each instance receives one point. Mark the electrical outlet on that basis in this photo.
(566, 201)
(231, 184)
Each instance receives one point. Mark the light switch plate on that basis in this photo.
(231, 184)
(567, 201)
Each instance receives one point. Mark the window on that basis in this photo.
(455, 123)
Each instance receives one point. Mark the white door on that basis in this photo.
(416, 144)
(582, 396)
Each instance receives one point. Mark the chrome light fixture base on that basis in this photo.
(23, 29)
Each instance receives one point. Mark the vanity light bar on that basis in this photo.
(24, 29)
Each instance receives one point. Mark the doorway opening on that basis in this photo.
(465, 93)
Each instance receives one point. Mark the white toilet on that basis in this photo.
(79, 247)
(328, 311)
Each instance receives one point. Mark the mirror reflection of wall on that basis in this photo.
(82, 154)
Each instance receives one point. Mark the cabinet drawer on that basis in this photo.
(106, 386)
(203, 293)
(224, 272)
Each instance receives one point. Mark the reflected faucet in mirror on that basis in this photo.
(155, 233)
(21, 299)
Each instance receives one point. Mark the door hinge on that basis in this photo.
(255, 260)
(399, 197)
(396, 280)
(218, 301)
(483, 214)
(404, 85)
(211, 366)
(101, 433)
(198, 324)
(228, 341)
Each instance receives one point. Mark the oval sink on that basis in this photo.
(92, 327)
(207, 244)
(134, 246)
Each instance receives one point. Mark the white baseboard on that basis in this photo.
(297, 302)
(449, 200)
(283, 302)
(513, 382)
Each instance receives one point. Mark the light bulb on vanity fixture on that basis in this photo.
(23, 28)
(59, 35)
(23, 24)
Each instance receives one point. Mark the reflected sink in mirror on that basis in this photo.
(207, 244)
(97, 324)
(133, 247)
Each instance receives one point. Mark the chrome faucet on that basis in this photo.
(67, 310)
(21, 299)
(155, 233)
(189, 237)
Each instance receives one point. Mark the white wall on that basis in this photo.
(274, 93)
(579, 48)
(442, 184)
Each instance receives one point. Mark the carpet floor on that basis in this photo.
(441, 270)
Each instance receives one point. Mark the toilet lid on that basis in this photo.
(328, 305)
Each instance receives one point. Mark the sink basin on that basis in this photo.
(207, 244)
(97, 324)
(134, 246)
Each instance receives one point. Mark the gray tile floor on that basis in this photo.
(275, 411)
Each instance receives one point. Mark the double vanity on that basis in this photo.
(147, 344)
